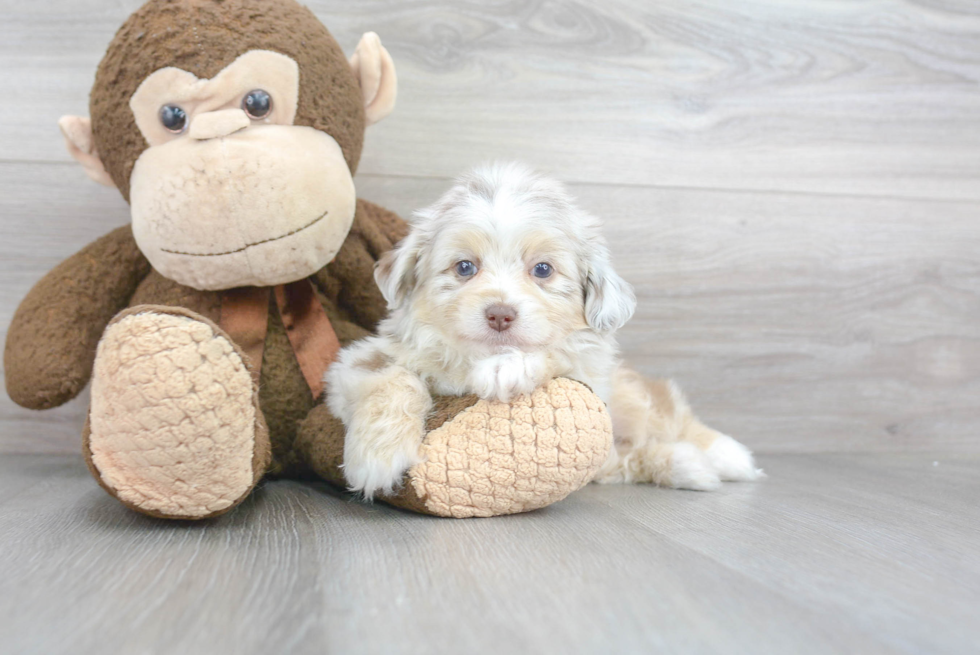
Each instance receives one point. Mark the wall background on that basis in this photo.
(792, 187)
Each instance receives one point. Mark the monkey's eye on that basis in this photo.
(542, 270)
(173, 118)
(465, 268)
(257, 104)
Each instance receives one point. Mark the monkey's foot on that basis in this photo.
(486, 458)
(174, 428)
(496, 458)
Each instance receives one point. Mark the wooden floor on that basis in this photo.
(831, 554)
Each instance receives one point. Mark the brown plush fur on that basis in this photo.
(446, 407)
(51, 341)
(204, 36)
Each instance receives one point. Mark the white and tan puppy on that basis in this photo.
(503, 284)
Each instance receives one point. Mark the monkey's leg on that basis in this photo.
(174, 429)
(486, 458)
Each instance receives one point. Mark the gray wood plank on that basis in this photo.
(894, 538)
(877, 97)
(832, 553)
(795, 322)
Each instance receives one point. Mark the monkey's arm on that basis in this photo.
(51, 342)
(374, 232)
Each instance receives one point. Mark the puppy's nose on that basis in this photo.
(501, 316)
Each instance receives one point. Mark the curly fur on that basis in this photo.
(506, 219)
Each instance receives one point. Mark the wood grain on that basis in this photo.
(838, 312)
(878, 97)
(831, 554)
(792, 188)
(796, 322)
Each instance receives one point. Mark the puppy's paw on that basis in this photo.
(503, 377)
(385, 420)
(690, 468)
(732, 461)
(372, 471)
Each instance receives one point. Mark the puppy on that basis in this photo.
(501, 285)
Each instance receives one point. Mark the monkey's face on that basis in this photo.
(233, 128)
(230, 192)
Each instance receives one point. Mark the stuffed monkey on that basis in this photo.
(233, 128)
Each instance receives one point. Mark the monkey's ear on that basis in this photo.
(374, 69)
(77, 131)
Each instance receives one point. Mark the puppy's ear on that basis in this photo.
(395, 271)
(609, 299)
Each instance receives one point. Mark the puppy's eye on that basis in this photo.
(174, 118)
(542, 270)
(465, 268)
(257, 104)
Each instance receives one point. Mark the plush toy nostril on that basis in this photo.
(500, 316)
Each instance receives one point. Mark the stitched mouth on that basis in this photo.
(249, 245)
